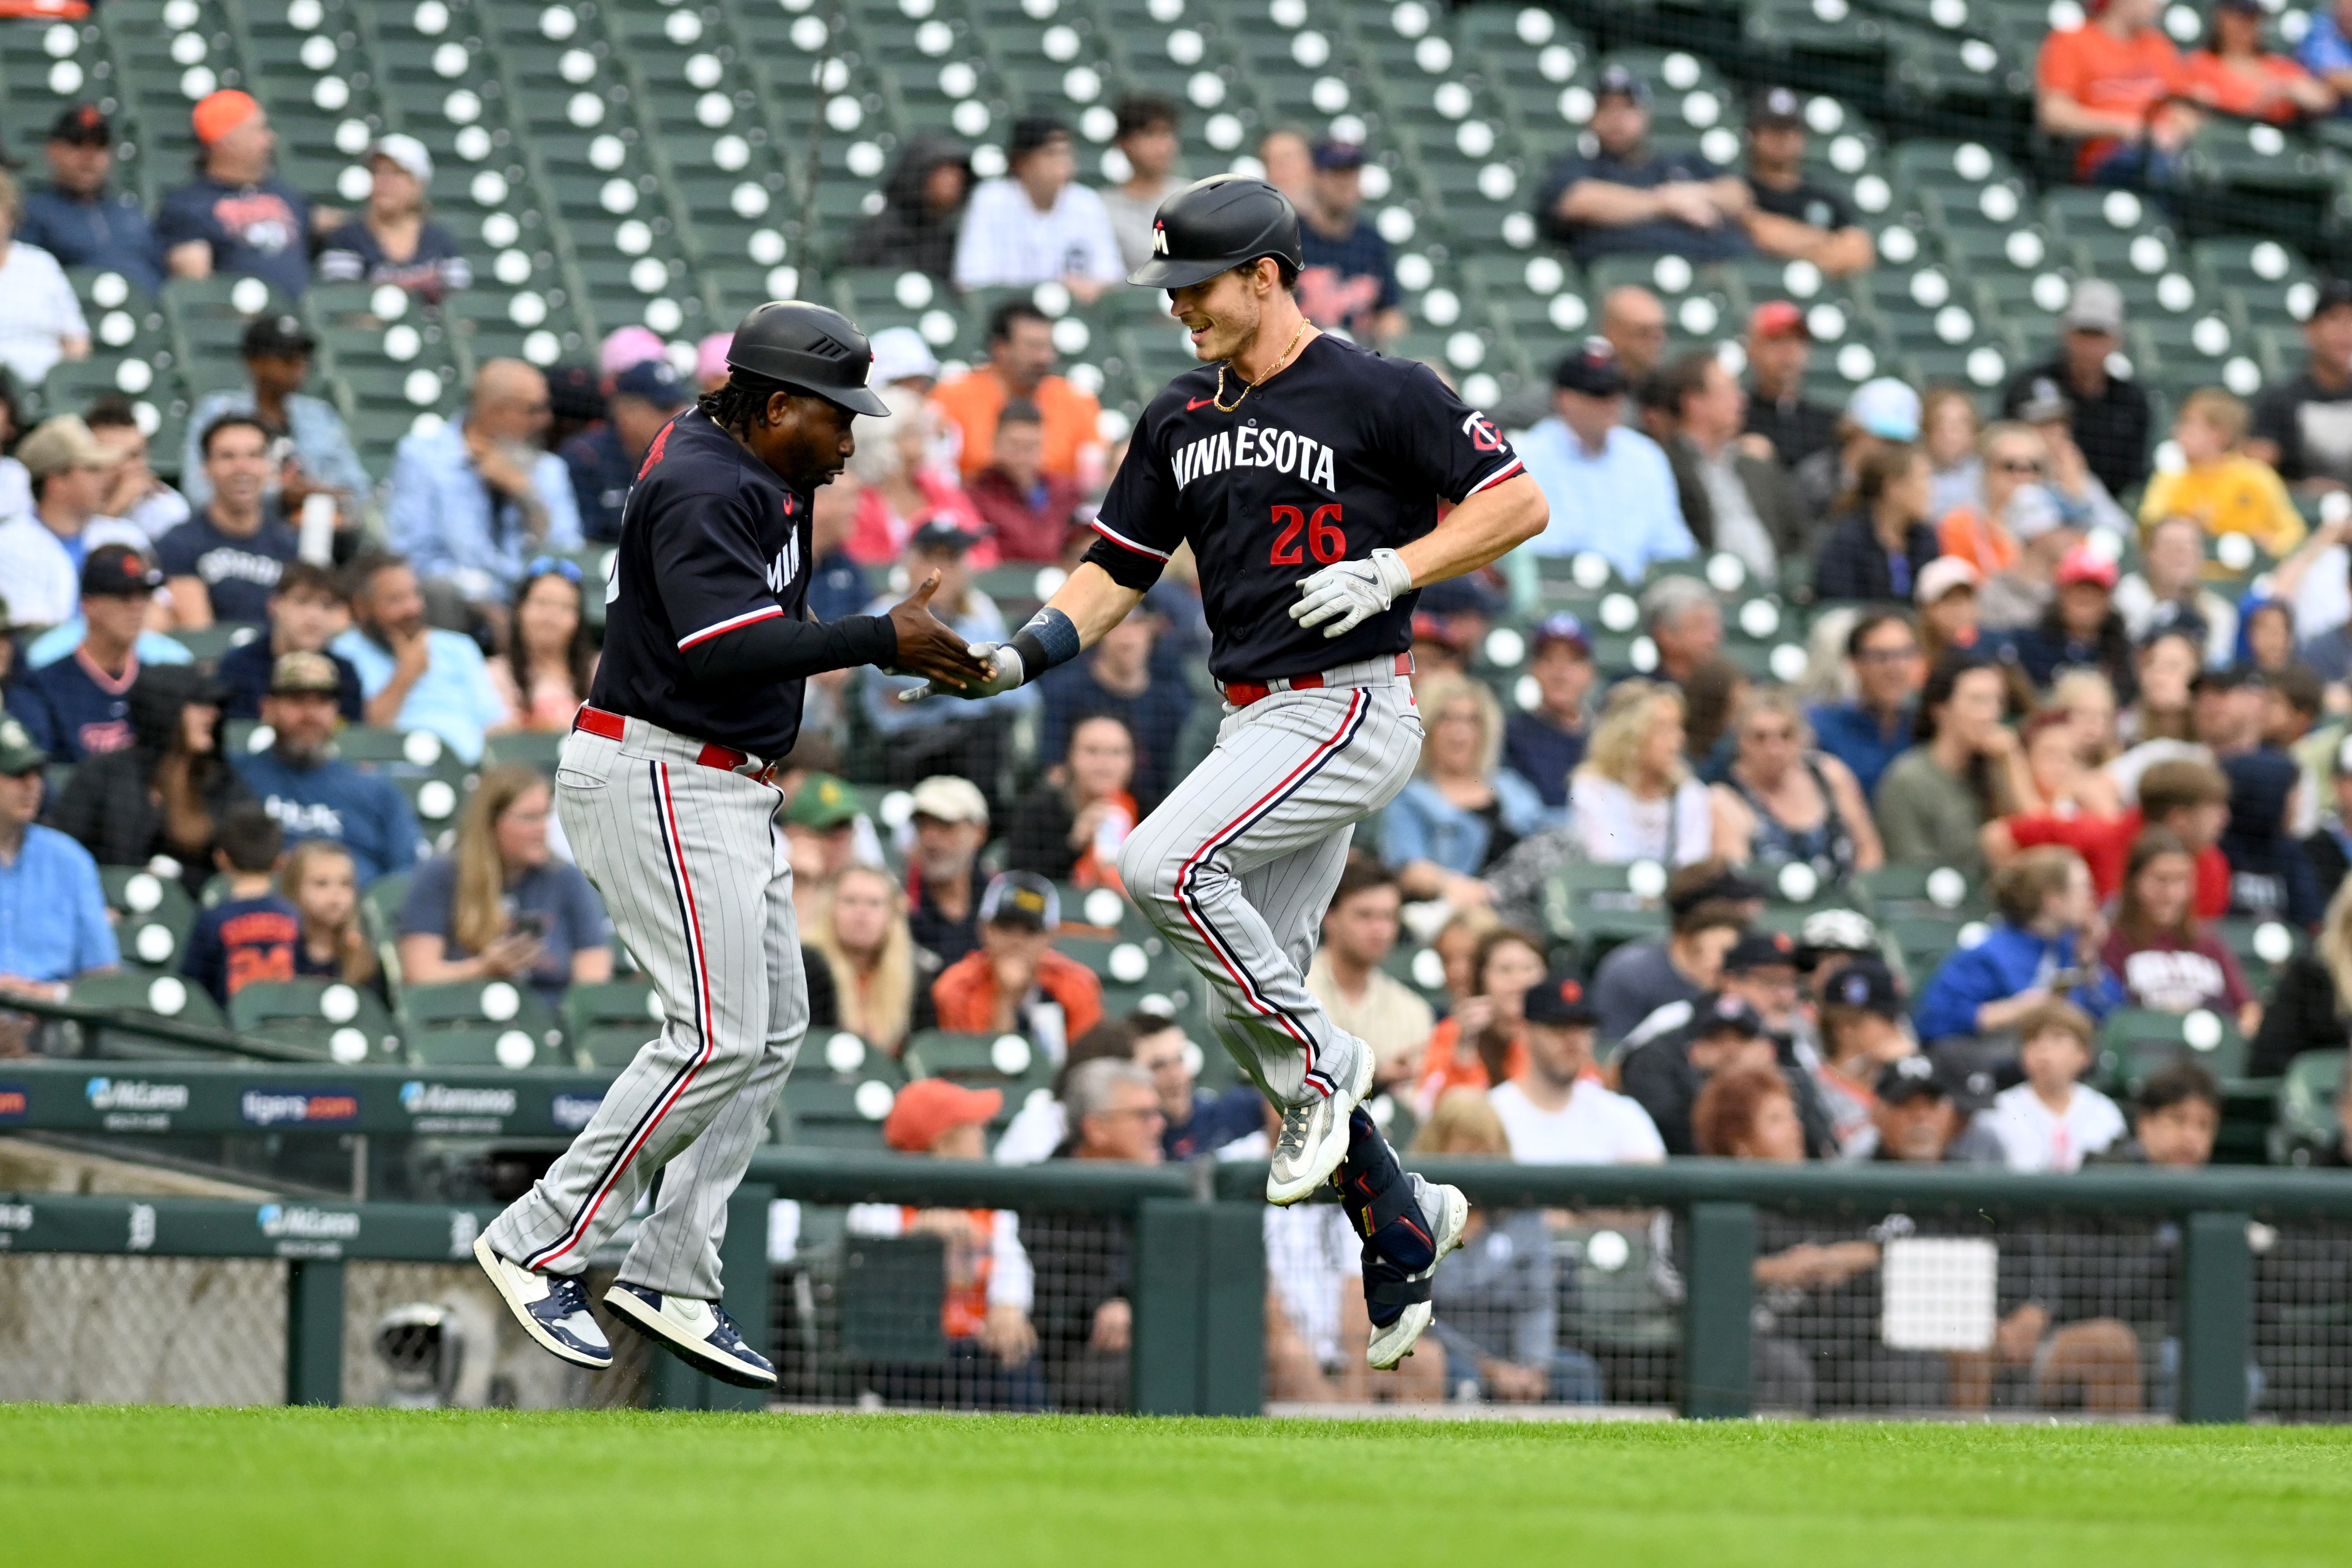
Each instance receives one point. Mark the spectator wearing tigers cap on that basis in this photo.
(1554, 1109)
(237, 216)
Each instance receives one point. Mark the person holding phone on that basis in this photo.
(499, 905)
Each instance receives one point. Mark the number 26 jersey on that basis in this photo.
(1343, 453)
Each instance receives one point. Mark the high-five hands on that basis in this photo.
(931, 649)
(1350, 590)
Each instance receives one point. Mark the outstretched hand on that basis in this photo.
(931, 649)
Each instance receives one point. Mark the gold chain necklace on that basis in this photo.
(1217, 399)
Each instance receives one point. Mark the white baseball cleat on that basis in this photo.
(1447, 1213)
(1314, 1137)
(699, 1334)
(552, 1307)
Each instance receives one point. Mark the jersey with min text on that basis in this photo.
(1343, 453)
(710, 540)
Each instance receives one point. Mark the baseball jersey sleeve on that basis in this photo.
(707, 566)
(1443, 443)
(1137, 528)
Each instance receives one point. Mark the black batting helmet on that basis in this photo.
(1224, 221)
(809, 349)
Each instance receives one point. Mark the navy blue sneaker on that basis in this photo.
(552, 1307)
(699, 1334)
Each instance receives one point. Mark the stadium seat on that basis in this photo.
(605, 1025)
(335, 1021)
(2133, 1043)
(2307, 1107)
(136, 994)
(475, 1023)
(153, 914)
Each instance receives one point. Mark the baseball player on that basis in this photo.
(1307, 475)
(665, 793)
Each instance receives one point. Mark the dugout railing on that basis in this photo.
(2235, 1286)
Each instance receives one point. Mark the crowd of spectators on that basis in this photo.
(2117, 758)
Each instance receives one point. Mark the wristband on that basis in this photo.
(1047, 640)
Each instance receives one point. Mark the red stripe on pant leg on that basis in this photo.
(1184, 874)
(700, 965)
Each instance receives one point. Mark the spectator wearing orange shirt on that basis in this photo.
(2107, 82)
(1016, 983)
(2015, 456)
(992, 1360)
(1483, 1041)
(1020, 365)
(2236, 75)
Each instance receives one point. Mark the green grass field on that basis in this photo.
(350, 1487)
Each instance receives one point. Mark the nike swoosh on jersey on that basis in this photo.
(1199, 402)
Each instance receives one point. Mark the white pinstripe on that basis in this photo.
(1262, 892)
(609, 796)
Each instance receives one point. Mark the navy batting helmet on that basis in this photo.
(809, 349)
(1224, 221)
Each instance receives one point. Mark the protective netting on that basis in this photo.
(962, 1309)
(78, 1328)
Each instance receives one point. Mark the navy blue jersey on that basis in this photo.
(239, 571)
(710, 540)
(1343, 453)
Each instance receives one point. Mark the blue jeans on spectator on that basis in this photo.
(2140, 166)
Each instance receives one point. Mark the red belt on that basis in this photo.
(612, 726)
(1242, 693)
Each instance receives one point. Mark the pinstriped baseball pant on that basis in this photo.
(1237, 865)
(695, 876)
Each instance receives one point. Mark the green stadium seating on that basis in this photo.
(337, 1022)
(476, 1023)
(137, 993)
(153, 914)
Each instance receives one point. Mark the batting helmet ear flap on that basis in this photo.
(1215, 225)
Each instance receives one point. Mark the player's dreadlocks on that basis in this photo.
(741, 400)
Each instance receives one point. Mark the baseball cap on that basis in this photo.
(1020, 899)
(1562, 627)
(83, 125)
(1941, 576)
(1032, 132)
(2083, 564)
(1908, 1079)
(1430, 628)
(117, 571)
(1886, 408)
(931, 1106)
(277, 337)
(219, 113)
(1590, 368)
(710, 354)
(1331, 153)
(1620, 81)
(626, 346)
(1760, 950)
(573, 394)
(2228, 677)
(943, 797)
(654, 382)
(942, 533)
(2335, 294)
(1558, 1000)
(901, 354)
(1836, 930)
(1777, 319)
(1866, 982)
(2098, 306)
(2044, 403)
(20, 753)
(62, 443)
(407, 153)
(1730, 887)
(1776, 107)
(823, 803)
(1720, 1012)
(304, 672)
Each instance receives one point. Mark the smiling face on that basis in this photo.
(1223, 314)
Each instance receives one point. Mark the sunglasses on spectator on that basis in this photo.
(541, 565)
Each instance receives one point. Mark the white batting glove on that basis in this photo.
(1351, 590)
(1006, 673)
